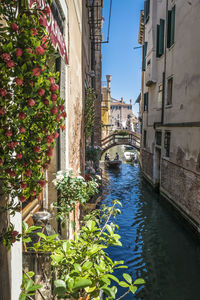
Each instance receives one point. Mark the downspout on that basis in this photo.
(165, 64)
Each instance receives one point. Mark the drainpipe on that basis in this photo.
(165, 64)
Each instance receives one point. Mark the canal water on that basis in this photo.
(156, 244)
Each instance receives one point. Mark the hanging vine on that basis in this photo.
(89, 111)
(31, 110)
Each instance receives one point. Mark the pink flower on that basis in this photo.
(42, 21)
(10, 64)
(49, 152)
(62, 126)
(8, 133)
(64, 115)
(22, 129)
(58, 118)
(11, 145)
(23, 185)
(14, 233)
(19, 81)
(37, 149)
(54, 87)
(31, 83)
(19, 52)
(56, 135)
(22, 116)
(36, 72)
(31, 102)
(29, 50)
(3, 92)
(52, 80)
(54, 110)
(49, 139)
(33, 193)
(41, 92)
(61, 107)
(34, 31)
(28, 173)
(46, 102)
(19, 156)
(2, 111)
(14, 27)
(45, 166)
(6, 57)
(22, 198)
(42, 183)
(12, 174)
(40, 50)
(54, 97)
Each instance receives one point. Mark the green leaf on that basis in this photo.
(91, 224)
(34, 288)
(9, 46)
(30, 274)
(87, 265)
(77, 268)
(29, 284)
(42, 235)
(112, 277)
(70, 283)
(127, 277)
(123, 284)
(82, 282)
(22, 297)
(109, 291)
(133, 289)
(60, 291)
(139, 281)
(109, 228)
(59, 283)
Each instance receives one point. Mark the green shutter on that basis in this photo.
(144, 53)
(169, 29)
(173, 25)
(146, 10)
(161, 37)
(146, 100)
(157, 45)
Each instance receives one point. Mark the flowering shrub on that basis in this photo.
(31, 110)
(9, 236)
(72, 189)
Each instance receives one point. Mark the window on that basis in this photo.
(171, 27)
(160, 38)
(167, 143)
(169, 91)
(146, 10)
(160, 92)
(118, 116)
(144, 54)
(145, 139)
(146, 101)
(159, 138)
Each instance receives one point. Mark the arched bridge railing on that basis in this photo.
(121, 138)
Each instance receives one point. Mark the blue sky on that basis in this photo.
(119, 58)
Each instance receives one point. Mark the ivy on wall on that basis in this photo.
(89, 112)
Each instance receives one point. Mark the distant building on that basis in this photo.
(115, 114)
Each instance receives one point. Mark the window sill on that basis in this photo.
(168, 106)
(158, 108)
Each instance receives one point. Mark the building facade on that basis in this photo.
(169, 105)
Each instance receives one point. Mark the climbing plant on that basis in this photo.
(31, 110)
(89, 112)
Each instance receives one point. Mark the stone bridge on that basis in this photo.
(123, 137)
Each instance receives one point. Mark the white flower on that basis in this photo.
(84, 183)
(59, 177)
(98, 177)
(80, 177)
(68, 170)
(55, 183)
(60, 172)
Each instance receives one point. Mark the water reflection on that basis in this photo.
(156, 245)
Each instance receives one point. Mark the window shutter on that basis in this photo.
(146, 100)
(172, 25)
(157, 45)
(146, 10)
(169, 29)
(144, 53)
(161, 38)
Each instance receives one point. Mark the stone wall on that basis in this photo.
(147, 163)
(183, 187)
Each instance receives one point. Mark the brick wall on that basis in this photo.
(147, 163)
(183, 187)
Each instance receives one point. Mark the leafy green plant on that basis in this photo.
(72, 189)
(89, 112)
(28, 287)
(82, 266)
(92, 153)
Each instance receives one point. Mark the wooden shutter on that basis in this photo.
(146, 10)
(169, 29)
(144, 53)
(161, 37)
(157, 44)
(173, 25)
(146, 100)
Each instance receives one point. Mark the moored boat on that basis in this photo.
(129, 156)
(113, 163)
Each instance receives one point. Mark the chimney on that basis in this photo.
(108, 77)
(122, 99)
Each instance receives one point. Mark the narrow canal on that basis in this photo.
(156, 245)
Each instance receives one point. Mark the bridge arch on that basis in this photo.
(121, 137)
